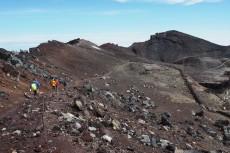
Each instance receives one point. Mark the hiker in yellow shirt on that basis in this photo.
(34, 88)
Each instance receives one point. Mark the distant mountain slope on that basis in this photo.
(172, 46)
(78, 57)
(204, 61)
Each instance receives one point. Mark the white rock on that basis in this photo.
(92, 135)
(189, 146)
(17, 132)
(69, 117)
(102, 105)
(78, 104)
(25, 115)
(78, 125)
(141, 121)
(92, 129)
(107, 138)
(129, 136)
(34, 134)
(109, 94)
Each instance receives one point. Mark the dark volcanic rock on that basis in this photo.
(165, 119)
(227, 133)
(199, 113)
(86, 137)
(209, 130)
(222, 123)
(4, 54)
(8, 68)
(4, 95)
(74, 42)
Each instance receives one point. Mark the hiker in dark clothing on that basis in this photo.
(64, 83)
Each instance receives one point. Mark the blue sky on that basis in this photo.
(27, 23)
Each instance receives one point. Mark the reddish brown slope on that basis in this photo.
(78, 60)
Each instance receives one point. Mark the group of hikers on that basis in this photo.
(54, 82)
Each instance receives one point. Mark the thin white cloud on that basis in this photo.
(220, 37)
(16, 42)
(25, 11)
(122, 1)
(119, 12)
(185, 2)
(114, 12)
(121, 38)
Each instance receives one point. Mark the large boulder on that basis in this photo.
(4, 54)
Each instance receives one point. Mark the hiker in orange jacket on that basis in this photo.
(54, 83)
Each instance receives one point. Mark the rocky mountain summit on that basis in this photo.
(168, 94)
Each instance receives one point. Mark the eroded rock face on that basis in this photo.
(172, 46)
(10, 69)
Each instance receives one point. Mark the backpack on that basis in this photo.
(38, 83)
(57, 82)
(33, 86)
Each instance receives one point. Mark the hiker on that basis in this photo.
(34, 87)
(64, 83)
(57, 84)
(54, 83)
